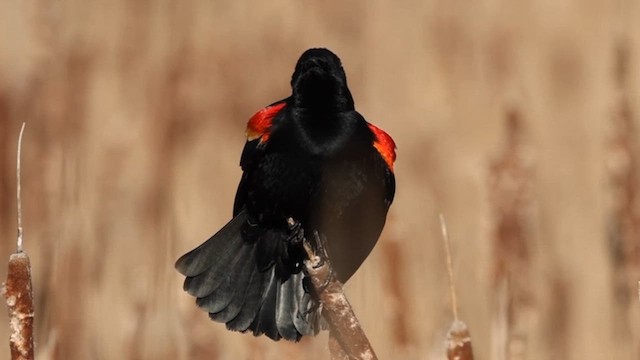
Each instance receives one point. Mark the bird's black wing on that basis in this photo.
(254, 148)
(250, 156)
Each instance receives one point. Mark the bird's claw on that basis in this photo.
(296, 232)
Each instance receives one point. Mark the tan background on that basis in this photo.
(136, 113)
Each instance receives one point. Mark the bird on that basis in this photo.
(313, 158)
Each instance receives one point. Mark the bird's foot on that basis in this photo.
(322, 257)
(296, 232)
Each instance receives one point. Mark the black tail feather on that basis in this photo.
(235, 278)
(240, 282)
(306, 319)
(220, 246)
(207, 282)
(265, 320)
(243, 278)
(256, 292)
(287, 308)
(237, 302)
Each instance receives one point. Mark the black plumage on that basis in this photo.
(310, 157)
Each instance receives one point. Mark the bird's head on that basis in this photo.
(319, 82)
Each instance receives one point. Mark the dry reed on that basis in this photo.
(510, 189)
(624, 216)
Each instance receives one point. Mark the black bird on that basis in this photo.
(310, 157)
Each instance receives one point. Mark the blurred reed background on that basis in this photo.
(515, 119)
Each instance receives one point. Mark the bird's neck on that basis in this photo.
(323, 100)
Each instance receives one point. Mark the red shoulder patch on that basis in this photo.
(385, 145)
(260, 123)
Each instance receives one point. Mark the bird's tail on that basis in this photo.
(230, 279)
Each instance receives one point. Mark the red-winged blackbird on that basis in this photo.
(310, 157)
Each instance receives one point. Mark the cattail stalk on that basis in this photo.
(458, 337)
(347, 339)
(17, 289)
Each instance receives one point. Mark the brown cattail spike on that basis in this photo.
(459, 342)
(19, 297)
